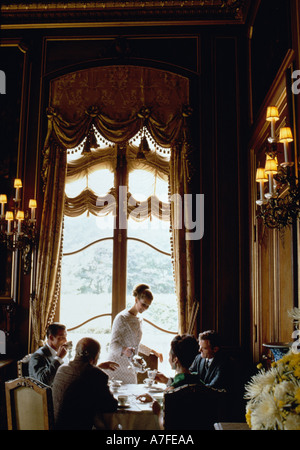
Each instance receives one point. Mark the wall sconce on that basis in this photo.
(18, 229)
(280, 205)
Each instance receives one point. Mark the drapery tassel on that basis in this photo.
(90, 143)
(143, 148)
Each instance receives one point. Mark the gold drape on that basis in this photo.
(183, 249)
(50, 245)
(122, 93)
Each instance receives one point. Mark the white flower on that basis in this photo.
(284, 391)
(266, 415)
(292, 422)
(260, 383)
(295, 314)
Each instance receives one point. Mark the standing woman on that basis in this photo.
(126, 335)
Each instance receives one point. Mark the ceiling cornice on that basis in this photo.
(16, 14)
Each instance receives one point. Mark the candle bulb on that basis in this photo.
(270, 170)
(9, 216)
(20, 217)
(261, 178)
(17, 186)
(32, 206)
(3, 200)
(272, 116)
(285, 136)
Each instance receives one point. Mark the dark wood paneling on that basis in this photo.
(270, 42)
(227, 180)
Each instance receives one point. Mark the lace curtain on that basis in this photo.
(88, 201)
(118, 101)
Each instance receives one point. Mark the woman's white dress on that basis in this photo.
(126, 332)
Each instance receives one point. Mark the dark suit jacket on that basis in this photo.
(80, 392)
(219, 373)
(43, 366)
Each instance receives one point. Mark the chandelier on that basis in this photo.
(18, 228)
(279, 193)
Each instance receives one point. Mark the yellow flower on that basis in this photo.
(280, 403)
(297, 396)
(297, 372)
(259, 366)
(248, 417)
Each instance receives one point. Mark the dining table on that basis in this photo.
(135, 414)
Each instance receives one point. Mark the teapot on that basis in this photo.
(138, 364)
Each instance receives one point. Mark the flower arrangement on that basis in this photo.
(274, 395)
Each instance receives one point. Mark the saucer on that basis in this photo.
(156, 389)
(124, 406)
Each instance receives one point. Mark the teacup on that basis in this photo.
(122, 399)
(114, 389)
(148, 382)
(152, 374)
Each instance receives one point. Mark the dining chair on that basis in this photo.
(29, 405)
(152, 363)
(193, 407)
(22, 366)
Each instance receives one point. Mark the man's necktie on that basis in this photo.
(206, 365)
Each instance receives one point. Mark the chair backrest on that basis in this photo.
(192, 407)
(22, 366)
(29, 404)
(152, 363)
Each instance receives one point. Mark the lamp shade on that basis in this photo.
(20, 215)
(285, 135)
(17, 183)
(260, 175)
(9, 215)
(32, 203)
(272, 113)
(271, 166)
(3, 198)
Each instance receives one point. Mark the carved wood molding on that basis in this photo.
(234, 11)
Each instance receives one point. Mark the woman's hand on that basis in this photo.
(108, 365)
(145, 398)
(161, 378)
(128, 351)
(158, 355)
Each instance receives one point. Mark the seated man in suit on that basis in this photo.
(212, 365)
(188, 403)
(80, 390)
(46, 360)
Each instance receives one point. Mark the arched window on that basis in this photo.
(115, 105)
(89, 271)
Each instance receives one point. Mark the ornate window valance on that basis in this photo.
(118, 101)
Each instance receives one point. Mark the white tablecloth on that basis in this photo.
(138, 416)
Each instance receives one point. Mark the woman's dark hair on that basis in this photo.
(147, 294)
(139, 289)
(186, 348)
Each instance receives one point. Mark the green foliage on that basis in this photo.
(87, 275)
